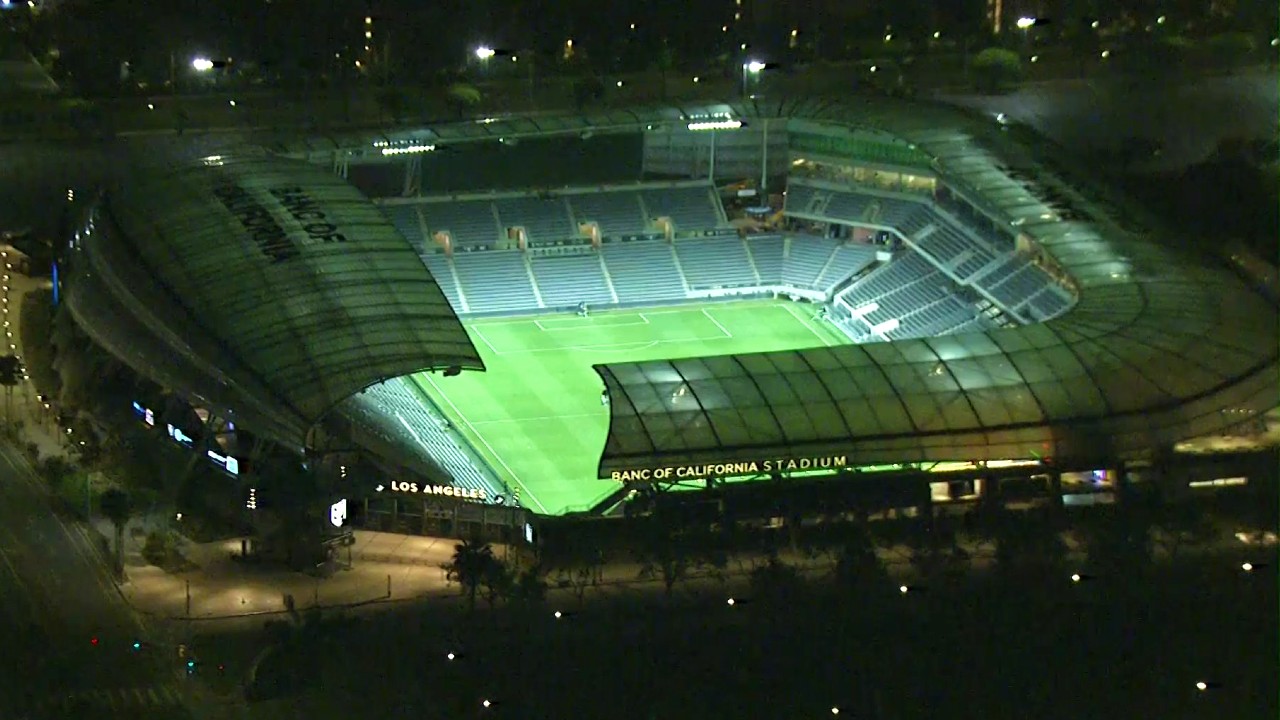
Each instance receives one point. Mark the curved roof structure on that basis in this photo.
(268, 287)
(1162, 345)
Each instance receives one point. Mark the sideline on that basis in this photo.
(478, 434)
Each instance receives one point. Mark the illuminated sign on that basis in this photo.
(145, 414)
(338, 513)
(181, 437)
(445, 490)
(228, 463)
(733, 468)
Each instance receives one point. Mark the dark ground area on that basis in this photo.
(1108, 647)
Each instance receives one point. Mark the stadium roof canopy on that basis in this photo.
(1162, 345)
(269, 288)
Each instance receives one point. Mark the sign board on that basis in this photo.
(338, 513)
(732, 469)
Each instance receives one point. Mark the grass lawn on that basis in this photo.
(536, 415)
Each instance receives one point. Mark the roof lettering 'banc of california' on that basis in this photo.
(1162, 344)
(281, 287)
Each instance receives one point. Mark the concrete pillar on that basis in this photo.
(1123, 489)
(1055, 493)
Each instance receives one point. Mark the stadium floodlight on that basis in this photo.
(485, 52)
(201, 64)
(754, 66)
(408, 149)
(702, 125)
(1025, 22)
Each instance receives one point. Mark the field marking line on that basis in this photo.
(581, 323)
(716, 322)
(535, 419)
(805, 323)
(480, 435)
(485, 340)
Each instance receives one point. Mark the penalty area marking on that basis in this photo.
(480, 435)
(578, 323)
(485, 340)
(716, 322)
(806, 324)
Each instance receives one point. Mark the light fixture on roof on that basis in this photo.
(702, 125)
(408, 149)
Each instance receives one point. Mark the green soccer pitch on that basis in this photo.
(535, 415)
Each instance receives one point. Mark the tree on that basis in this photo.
(117, 506)
(858, 568)
(775, 584)
(394, 102)
(1028, 544)
(10, 376)
(664, 61)
(994, 69)
(1181, 525)
(663, 556)
(462, 98)
(1118, 542)
(1232, 48)
(586, 91)
(498, 582)
(530, 588)
(470, 565)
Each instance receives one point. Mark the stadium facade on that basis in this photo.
(265, 287)
(266, 290)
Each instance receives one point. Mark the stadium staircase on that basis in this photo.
(751, 261)
(398, 411)
(608, 279)
(533, 280)
(675, 260)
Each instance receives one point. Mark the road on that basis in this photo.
(69, 634)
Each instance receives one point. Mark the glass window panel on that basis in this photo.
(890, 415)
(924, 412)
(956, 412)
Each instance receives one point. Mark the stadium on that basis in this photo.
(556, 311)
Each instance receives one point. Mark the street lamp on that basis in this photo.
(1025, 24)
(201, 64)
(752, 67)
(484, 52)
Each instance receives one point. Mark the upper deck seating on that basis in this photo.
(468, 222)
(690, 208)
(543, 220)
(616, 213)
